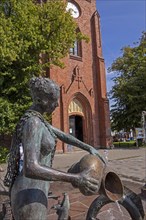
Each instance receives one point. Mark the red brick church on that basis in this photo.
(83, 107)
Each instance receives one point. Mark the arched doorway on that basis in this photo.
(80, 118)
(76, 126)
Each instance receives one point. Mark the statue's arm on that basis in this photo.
(32, 137)
(69, 139)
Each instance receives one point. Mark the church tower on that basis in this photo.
(83, 106)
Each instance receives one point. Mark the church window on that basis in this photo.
(76, 50)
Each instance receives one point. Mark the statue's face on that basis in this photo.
(52, 104)
(49, 104)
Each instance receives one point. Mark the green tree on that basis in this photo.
(129, 90)
(33, 37)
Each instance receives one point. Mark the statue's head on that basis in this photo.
(45, 93)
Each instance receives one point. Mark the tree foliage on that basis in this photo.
(32, 38)
(129, 90)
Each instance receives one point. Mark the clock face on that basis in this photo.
(73, 10)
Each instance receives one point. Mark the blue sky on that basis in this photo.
(122, 22)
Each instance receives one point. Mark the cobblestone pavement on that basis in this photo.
(79, 203)
(129, 164)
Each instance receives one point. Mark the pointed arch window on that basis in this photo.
(75, 106)
(76, 50)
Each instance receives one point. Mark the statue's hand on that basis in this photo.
(87, 183)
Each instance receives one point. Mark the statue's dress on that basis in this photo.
(29, 196)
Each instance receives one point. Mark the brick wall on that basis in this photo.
(89, 83)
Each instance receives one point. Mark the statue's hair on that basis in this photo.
(40, 86)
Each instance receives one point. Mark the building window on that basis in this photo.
(76, 50)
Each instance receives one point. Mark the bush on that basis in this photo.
(128, 144)
(3, 154)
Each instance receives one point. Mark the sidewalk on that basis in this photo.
(79, 203)
(129, 164)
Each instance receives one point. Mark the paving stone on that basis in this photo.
(129, 164)
(81, 203)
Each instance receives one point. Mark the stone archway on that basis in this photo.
(80, 118)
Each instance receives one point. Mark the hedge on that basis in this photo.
(128, 144)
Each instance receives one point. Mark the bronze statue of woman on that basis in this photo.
(32, 151)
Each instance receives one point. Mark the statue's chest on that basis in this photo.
(47, 142)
